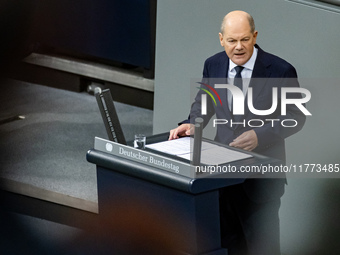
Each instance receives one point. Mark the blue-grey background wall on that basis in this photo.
(307, 37)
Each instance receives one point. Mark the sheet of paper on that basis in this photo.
(173, 147)
(211, 154)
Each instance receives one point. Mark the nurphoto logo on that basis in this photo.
(238, 104)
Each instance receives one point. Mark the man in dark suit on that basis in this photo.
(249, 211)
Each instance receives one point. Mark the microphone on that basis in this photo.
(196, 157)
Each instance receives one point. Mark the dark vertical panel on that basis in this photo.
(16, 28)
(110, 30)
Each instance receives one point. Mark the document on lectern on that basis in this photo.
(211, 154)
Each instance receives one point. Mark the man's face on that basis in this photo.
(238, 41)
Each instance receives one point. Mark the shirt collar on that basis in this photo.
(249, 65)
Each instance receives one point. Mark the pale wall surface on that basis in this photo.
(307, 37)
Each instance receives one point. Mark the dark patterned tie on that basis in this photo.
(238, 83)
(238, 77)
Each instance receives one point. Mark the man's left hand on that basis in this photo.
(246, 141)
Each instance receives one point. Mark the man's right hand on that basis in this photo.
(182, 130)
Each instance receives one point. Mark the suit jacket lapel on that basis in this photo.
(261, 68)
(259, 77)
(223, 73)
